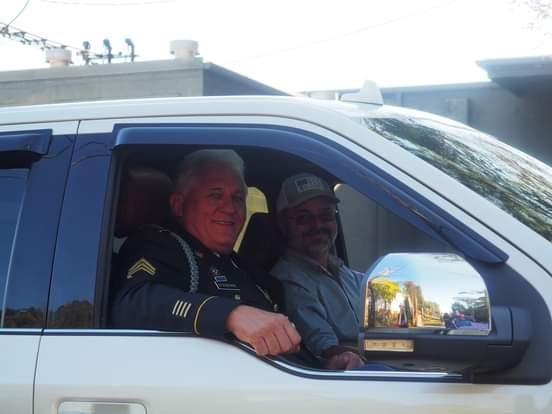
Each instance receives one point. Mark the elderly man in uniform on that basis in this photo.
(186, 277)
(321, 294)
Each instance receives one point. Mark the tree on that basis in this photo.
(541, 11)
(385, 289)
(475, 304)
(458, 307)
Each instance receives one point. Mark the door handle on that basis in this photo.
(91, 407)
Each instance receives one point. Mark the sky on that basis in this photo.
(294, 45)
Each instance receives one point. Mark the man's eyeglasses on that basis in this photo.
(304, 219)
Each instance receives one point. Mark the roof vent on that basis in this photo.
(370, 94)
(58, 57)
(184, 49)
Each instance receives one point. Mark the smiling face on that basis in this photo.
(213, 210)
(311, 228)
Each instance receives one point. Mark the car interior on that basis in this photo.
(145, 184)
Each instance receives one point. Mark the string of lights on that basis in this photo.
(41, 42)
(30, 39)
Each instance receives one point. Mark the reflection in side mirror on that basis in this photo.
(431, 312)
(425, 292)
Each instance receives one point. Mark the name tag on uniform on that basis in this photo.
(222, 283)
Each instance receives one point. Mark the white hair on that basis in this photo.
(193, 164)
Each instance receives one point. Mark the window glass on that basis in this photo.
(12, 187)
(367, 229)
(512, 180)
(371, 231)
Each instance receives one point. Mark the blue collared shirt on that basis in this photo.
(324, 304)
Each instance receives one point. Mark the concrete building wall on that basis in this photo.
(101, 82)
(164, 78)
(218, 81)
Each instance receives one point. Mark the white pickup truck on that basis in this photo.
(409, 182)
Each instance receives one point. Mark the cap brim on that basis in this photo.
(308, 197)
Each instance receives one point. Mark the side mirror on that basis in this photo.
(431, 311)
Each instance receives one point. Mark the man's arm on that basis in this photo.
(310, 316)
(267, 332)
(152, 305)
(149, 299)
(342, 358)
(155, 279)
(160, 307)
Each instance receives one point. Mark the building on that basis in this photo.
(185, 75)
(513, 106)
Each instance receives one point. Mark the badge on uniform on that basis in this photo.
(141, 265)
(222, 283)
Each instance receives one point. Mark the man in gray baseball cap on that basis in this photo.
(322, 295)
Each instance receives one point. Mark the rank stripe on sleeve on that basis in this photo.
(181, 308)
(141, 264)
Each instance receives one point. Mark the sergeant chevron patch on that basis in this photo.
(141, 264)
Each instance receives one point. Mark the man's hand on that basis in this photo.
(267, 332)
(345, 361)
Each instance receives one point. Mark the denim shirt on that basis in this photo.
(324, 304)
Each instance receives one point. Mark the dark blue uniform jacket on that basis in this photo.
(167, 280)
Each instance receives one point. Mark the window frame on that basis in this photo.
(47, 156)
(21, 175)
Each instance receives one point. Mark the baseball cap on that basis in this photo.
(300, 188)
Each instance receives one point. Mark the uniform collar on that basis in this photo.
(197, 246)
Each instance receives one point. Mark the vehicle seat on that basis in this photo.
(143, 199)
(261, 245)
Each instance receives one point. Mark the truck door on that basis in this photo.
(86, 367)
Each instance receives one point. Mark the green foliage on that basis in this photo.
(23, 318)
(76, 314)
(385, 289)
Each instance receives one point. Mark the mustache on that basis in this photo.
(318, 232)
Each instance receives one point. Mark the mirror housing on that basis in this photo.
(431, 312)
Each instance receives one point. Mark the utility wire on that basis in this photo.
(31, 39)
(107, 3)
(19, 14)
(342, 35)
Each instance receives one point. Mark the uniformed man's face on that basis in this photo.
(214, 208)
(311, 227)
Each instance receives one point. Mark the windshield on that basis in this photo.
(514, 181)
